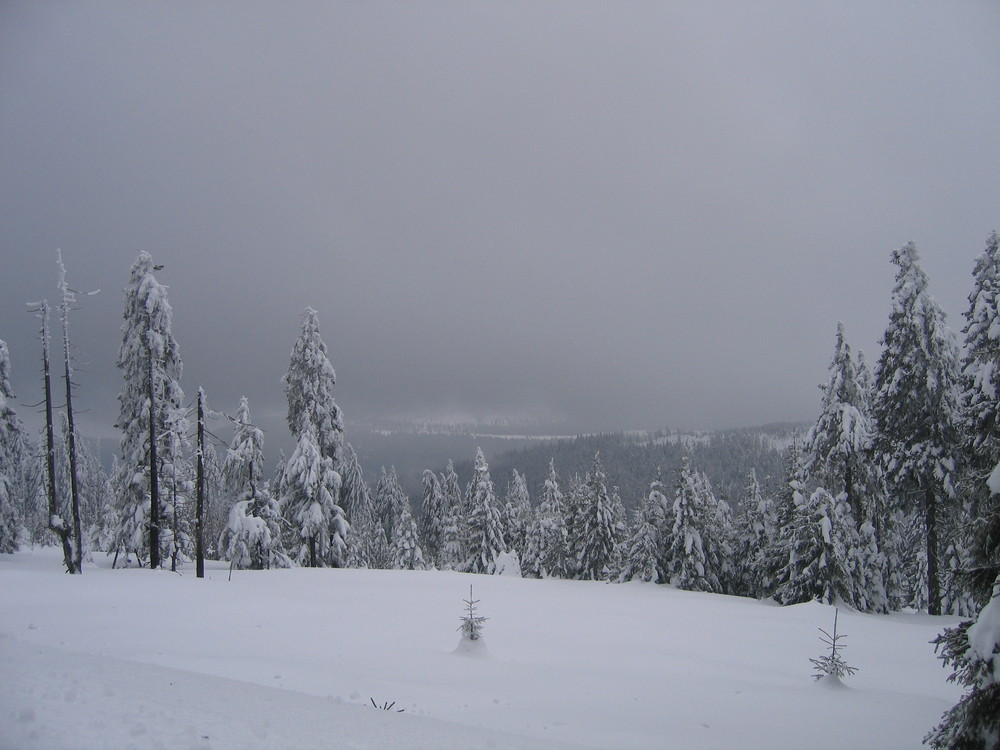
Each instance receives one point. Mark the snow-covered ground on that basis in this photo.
(292, 658)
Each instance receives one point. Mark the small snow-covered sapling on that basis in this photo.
(472, 624)
(832, 664)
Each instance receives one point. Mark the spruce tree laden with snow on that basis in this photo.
(517, 513)
(790, 493)
(149, 359)
(972, 648)
(356, 500)
(916, 409)
(485, 524)
(309, 386)
(13, 459)
(318, 529)
(817, 541)
(980, 380)
(689, 567)
(406, 551)
(699, 553)
(599, 531)
(757, 526)
(838, 447)
(389, 499)
(641, 554)
(553, 554)
(432, 515)
(451, 553)
(252, 535)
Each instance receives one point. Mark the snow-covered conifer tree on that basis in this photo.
(389, 500)
(554, 554)
(838, 452)
(356, 499)
(433, 515)
(641, 555)
(485, 524)
(689, 556)
(784, 506)
(309, 389)
(516, 513)
(13, 458)
(756, 527)
(599, 532)
(916, 409)
(981, 414)
(451, 553)
(973, 650)
(309, 504)
(816, 541)
(406, 551)
(149, 359)
(252, 536)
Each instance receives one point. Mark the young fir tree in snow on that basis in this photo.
(817, 542)
(485, 524)
(309, 389)
(149, 359)
(13, 458)
(309, 504)
(406, 551)
(252, 536)
(916, 409)
(598, 529)
(432, 515)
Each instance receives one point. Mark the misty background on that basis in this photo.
(592, 215)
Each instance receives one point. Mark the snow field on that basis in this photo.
(291, 658)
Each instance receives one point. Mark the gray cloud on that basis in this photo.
(629, 215)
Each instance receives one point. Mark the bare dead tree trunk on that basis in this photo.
(199, 544)
(56, 523)
(74, 482)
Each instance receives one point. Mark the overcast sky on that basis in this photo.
(623, 214)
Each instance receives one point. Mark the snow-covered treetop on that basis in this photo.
(5, 390)
(309, 389)
(916, 401)
(981, 365)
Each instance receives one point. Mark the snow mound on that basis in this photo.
(476, 648)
